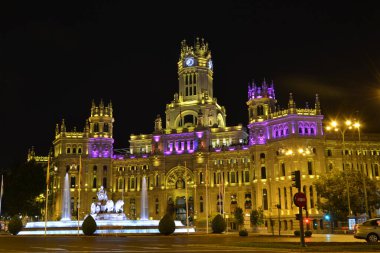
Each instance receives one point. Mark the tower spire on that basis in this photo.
(317, 105)
(291, 104)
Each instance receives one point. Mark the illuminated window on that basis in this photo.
(263, 173)
(246, 176)
(72, 182)
(285, 198)
(105, 127)
(94, 182)
(219, 203)
(248, 201)
(265, 199)
(157, 206)
(310, 167)
(105, 182)
(283, 172)
(311, 197)
(233, 177)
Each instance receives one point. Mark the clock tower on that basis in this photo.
(195, 95)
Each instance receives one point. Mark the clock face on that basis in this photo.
(189, 61)
(209, 64)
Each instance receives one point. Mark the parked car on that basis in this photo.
(368, 230)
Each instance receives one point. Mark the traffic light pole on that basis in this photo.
(296, 178)
(302, 234)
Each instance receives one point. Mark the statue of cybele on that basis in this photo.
(102, 194)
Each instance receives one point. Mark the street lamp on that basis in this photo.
(334, 126)
(357, 126)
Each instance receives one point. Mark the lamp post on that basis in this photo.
(357, 126)
(279, 221)
(342, 130)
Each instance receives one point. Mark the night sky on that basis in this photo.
(57, 57)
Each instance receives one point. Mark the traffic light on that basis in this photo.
(327, 217)
(296, 178)
(307, 220)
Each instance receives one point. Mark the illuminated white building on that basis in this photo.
(192, 156)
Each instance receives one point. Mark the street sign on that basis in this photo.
(299, 199)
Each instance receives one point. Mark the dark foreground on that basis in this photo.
(183, 243)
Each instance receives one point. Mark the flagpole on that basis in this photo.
(223, 192)
(206, 202)
(80, 172)
(47, 191)
(1, 192)
(187, 202)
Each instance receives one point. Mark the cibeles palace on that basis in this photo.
(192, 156)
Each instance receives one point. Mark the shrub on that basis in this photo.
(15, 225)
(89, 225)
(239, 216)
(257, 216)
(243, 232)
(218, 224)
(308, 233)
(166, 225)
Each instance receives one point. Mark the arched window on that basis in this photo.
(96, 127)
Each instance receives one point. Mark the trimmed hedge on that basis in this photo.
(166, 226)
(243, 232)
(307, 233)
(218, 224)
(89, 225)
(15, 225)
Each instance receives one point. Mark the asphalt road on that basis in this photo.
(179, 243)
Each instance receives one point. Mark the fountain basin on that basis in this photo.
(103, 227)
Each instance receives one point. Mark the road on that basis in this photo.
(177, 243)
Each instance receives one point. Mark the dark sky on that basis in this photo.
(56, 57)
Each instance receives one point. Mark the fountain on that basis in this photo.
(144, 215)
(110, 218)
(105, 209)
(66, 214)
